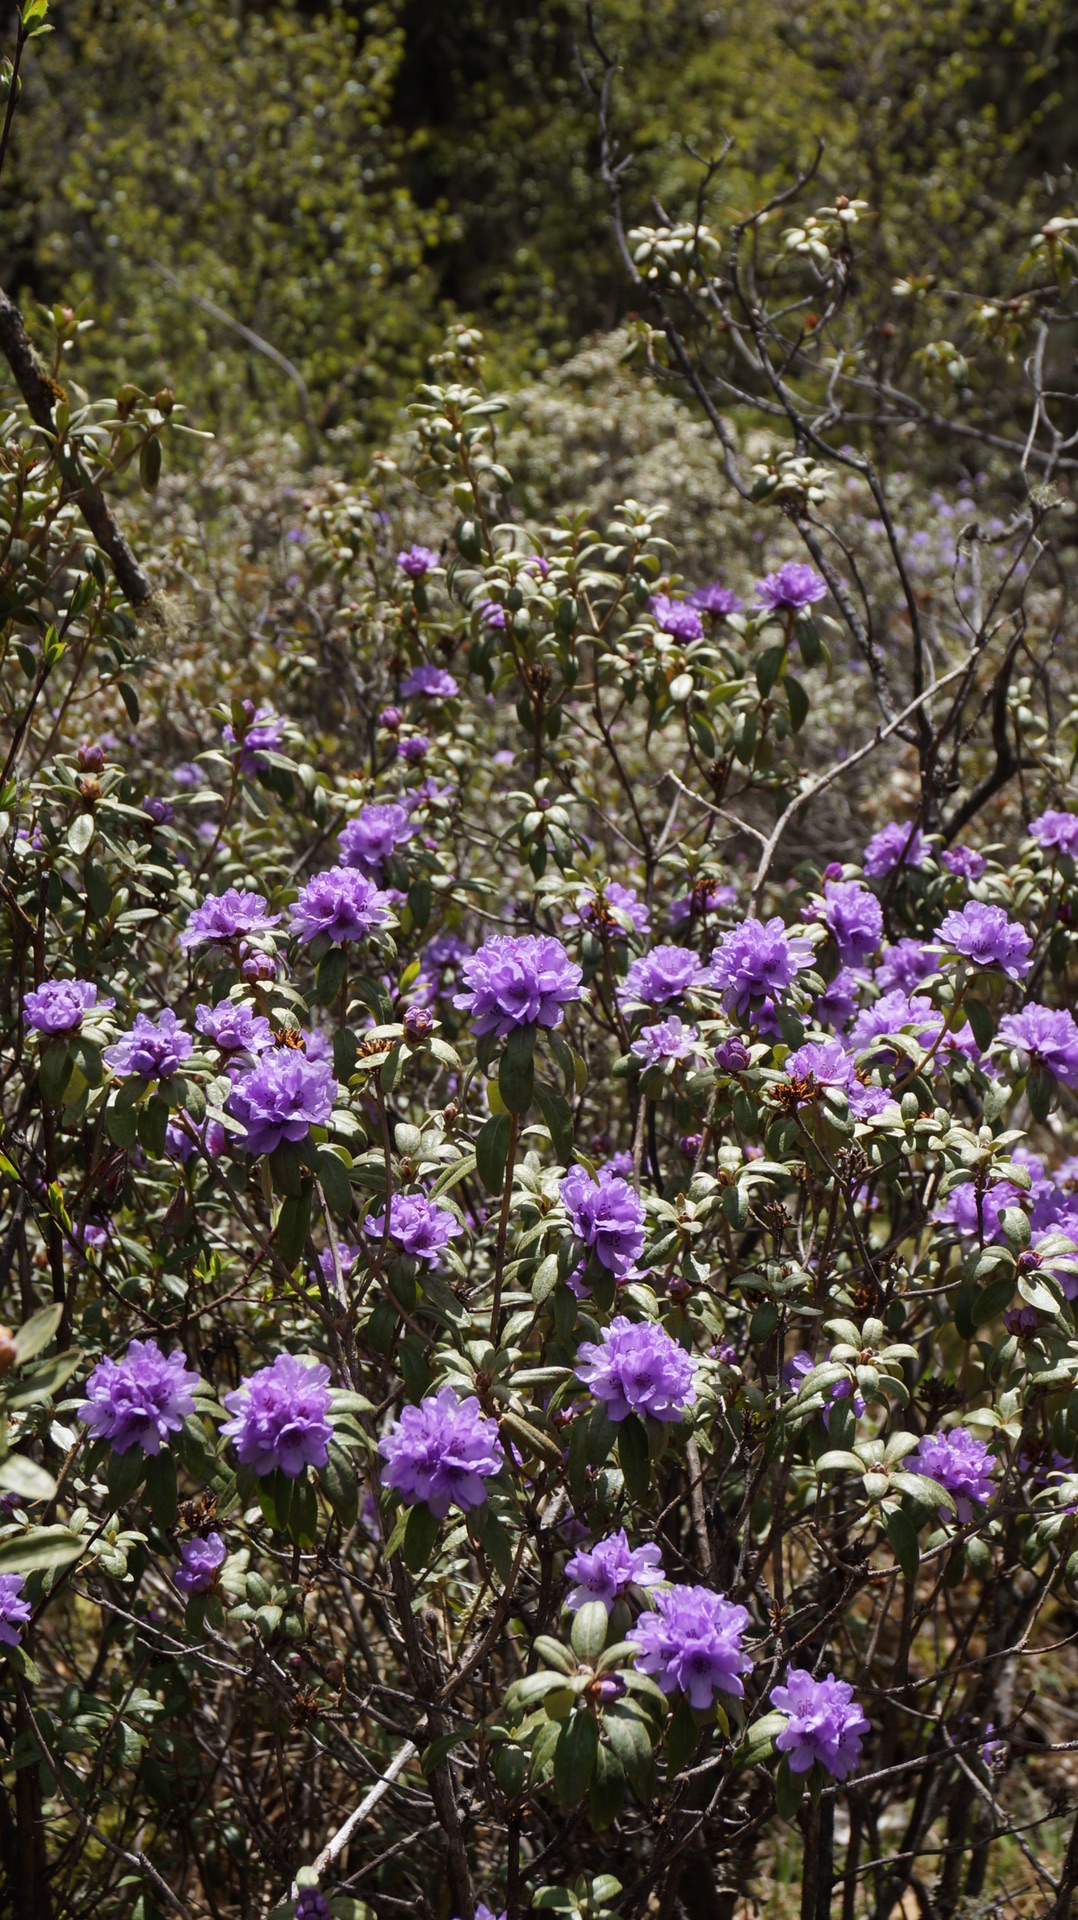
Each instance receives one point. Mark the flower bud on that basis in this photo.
(390, 718)
(91, 758)
(418, 1023)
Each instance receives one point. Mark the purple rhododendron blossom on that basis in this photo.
(732, 1055)
(755, 961)
(200, 1562)
(417, 1226)
(824, 1723)
(441, 1452)
(669, 1039)
(140, 1400)
(855, 918)
(415, 561)
(828, 1064)
(678, 618)
(347, 1255)
(152, 1051)
(160, 811)
(265, 731)
(794, 1371)
(839, 1001)
(960, 1463)
(707, 896)
(279, 1421)
(373, 836)
(716, 600)
(284, 1095)
(414, 749)
(1049, 1035)
(985, 936)
(663, 974)
(609, 1568)
(234, 1027)
(1056, 832)
(518, 982)
(635, 1367)
(491, 613)
(608, 1215)
(593, 908)
(433, 683)
(312, 1905)
(896, 845)
(692, 1644)
(342, 904)
(236, 914)
(795, 586)
(978, 1215)
(14, 1610)
(184, 1137)
(963, 862)
(906, 964)
(59, 1006)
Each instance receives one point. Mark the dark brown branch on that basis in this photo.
(40, 392)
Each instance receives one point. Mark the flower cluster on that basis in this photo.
(141, 1400)
(824, 1725)
(279, 1418)
(692, 1644)
(637, 1368)
(607, 1570)
(441, 1452)
(523, 982)
(608, 1216)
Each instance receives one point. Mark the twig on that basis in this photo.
(366, 1806)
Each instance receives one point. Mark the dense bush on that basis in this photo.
(540, 1203)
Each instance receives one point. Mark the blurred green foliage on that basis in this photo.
(337, 179)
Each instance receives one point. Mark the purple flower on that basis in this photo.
(233, 1027)
(635, 1367)
(670, 1039)
(347, 1256)
(985, 936)
(824, 1723)
(183, 1138)
(993, 1752)
(732, 1056)
(441, 1452)
(795, 586)
(706, 897)
(800, 1364)
(595, 907)
(418, 1023)
(282, 1097)
(415, 561)
(414, 749)
(160, 811)
(666, 973)
(1056, 832)
(58, 1006)
(342, 904)
(977, 1214)
(139, 1400)
(855, 918)
(755, 961)
(963, 862)
(961, 1464)
(607, 1214)
(827, 1064)
(312, 1905)
(491, 614)
(14, 1610)
(279, 1417)
(390, 718)
(896, 845)
(371, 839)
(716, 600)
(235, 914)
(838, 1001)
(434, 683)
(521, 982)
(1049, 1035)
(905, 965)
(200, 1561)
(608, 1569)
(264, 732)
(417, 1226)
(692, 1644)
(675, 617)
(154, 1052)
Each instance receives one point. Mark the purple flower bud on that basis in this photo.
(732, 1056)
(418, 1023)
(160, 811)
(91, 758)
(390, 718)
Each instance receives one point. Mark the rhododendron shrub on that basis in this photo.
(546, 1370)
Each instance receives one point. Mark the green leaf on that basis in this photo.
(682, 1735)
(902, 1535)
(294, 1224)
(34, 1334)
(123, 1473)
(149, 462)
(627, 1734)
(161, 1488)
(39, 1548)
(558, 1119)
(789, 1790)
(55, 1072)
(130, 700)
(432, 1756)
(420, 1538)
(340, 1485)
(516, 1070)
(121, 1125)
(633, 1456)
(758, 1745)
(574, 1758)
(607, 1790)
(981, 1021)
(989, 1301)
(492, 1151)
(589, 1630)
(768, 667)
(798, 702)
(80, 833)
(330, 975)
(333, 1179)
(25, 1478)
